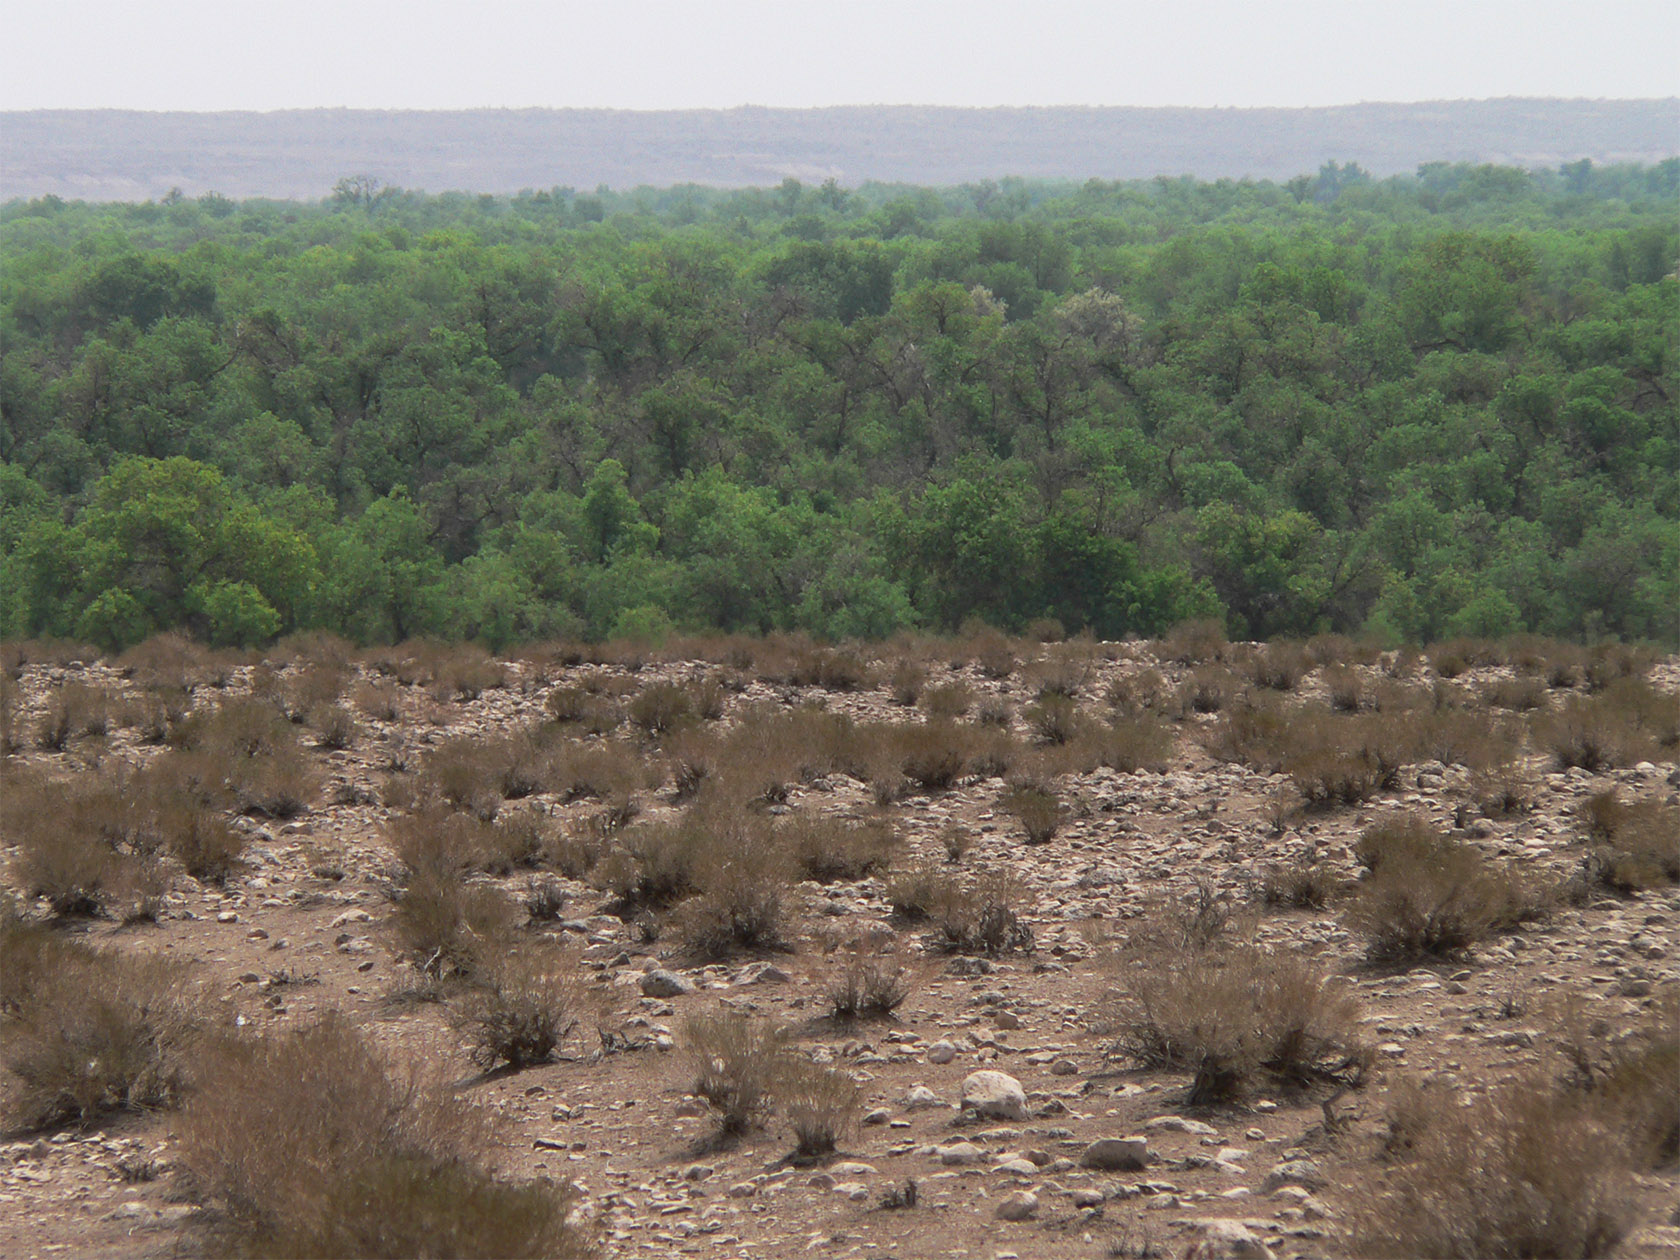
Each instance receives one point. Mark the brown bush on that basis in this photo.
(1130, 744)
(1237, 1018)
(93, 1033)
(334, 725)
(994, 656)
(1635, 845)
(1630, 1079)
(1209, 689)
(1617, 727)
(915, 894)
(244, 756)
(312, 1146)
(947, 701)
(523, 1008)
(1609, 663)
(736, 1061)
(661, 707)
(311, 686)
(1056, 720)
(1277, 666)
(1141, 692)
(979, 917)
(907, 682)
(1429, 896)
(1300, 885)
(1348, 688)
(862, 987)
(1194, 643)
(1518, 1172)
(73, 709)
(381, 699)
(1037, 806)
(821, 1104)
(169, 660)
(829, 850)
(448, 927)
(82, 843)
(742, 882)
(1517, 694)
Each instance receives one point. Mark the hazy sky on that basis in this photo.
(662, 54)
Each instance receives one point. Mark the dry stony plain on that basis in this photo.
(975, 947)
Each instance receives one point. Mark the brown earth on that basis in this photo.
(302, 927)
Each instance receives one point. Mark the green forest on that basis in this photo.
(1413, 408)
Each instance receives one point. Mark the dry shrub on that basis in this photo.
(915, 893)
(468, 774)
(1630, 1079)
(1460, 656)
(73, 709)
(316, 685)
(524, 1007)
(11, 737)
(448, 841)
(1300, 885)
(1194, 643)
(956, 840)
(334, 725)
(1338, 649)
(710, 696)
(863, 987)
(821, 1104)
(661, 707)
(92, 1032)
(1517, 694)
(380, 699)
(736, 1061)
(1518, 1172)
(204, 842)
(830, 850)
(448, 927)
(1621, 725)
(591, 712)
(1430, 896)
(947, 701)
(832, 669)
(907, 682)
(980, 917)
(1130, 744)
(1636, 845)
(651, 866)
(993, 655)
(1140, 692)
(1209, 689)
(1037, 806)
(169, 660)
(244, 756)
(1348, 688)
(1277, 666)
(1056, 720)
(742, 879)
(87, 844)
(1503, 792)
(311, 1145)
(1610, 662)
(1238, 1018)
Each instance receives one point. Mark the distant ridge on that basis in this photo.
(105, 155)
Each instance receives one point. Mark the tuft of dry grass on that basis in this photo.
(89, 1032)
(524, 1007)
(979, 917)
(863, 987)
(1635, 845)
(1037, 806)
(1237, 1018)
(735, 1061)
(310, 1144)
(1519, 1171)
(830, 850)
(1430, 896)
(821, 1105)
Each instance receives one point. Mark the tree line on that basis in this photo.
(1414, 407)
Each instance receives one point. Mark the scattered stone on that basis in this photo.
(1294, 1172)
(941, 1052)
(1178, 1124)
(1064, 1067)
(994, 1095)
(920, 1098)
(1222, 1239)
(664, 984)
(1020, 1206)
(958, 1153)
(1117, 1154)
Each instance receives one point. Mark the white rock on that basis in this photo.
(1117, 1154)
(995, 1095)
(1020, 1206)
(1227, 1240)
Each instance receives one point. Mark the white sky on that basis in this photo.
(667, 54)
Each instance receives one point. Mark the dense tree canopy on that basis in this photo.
(1421, 406)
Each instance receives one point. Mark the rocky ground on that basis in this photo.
(992, 1100)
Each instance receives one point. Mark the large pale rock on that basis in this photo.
(1227, 1240)
(664, 984)
(995, 1095)
(1020, 1206)
(1296, 1172)
(1122, 1154)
